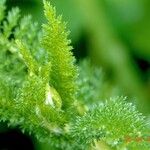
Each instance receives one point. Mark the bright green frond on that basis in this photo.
(55, 42)
(112, 122)
(27, 57)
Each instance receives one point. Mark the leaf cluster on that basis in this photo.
(42, 93)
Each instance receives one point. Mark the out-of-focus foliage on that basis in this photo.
(93, 84)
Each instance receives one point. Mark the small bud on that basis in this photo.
(52, 97)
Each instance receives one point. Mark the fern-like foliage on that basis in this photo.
(91, 79)
(112, 122)
(42, 94)
(26, 78)
(55, 41)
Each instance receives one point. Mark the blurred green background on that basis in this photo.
(114, 34)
